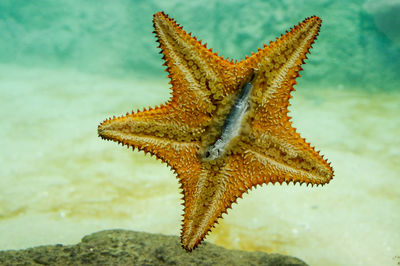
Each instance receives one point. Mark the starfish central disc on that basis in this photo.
(233, 124)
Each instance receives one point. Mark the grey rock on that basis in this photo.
(121, 247)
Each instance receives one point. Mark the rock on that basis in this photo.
(120, 247)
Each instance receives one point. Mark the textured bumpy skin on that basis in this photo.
(205, 87)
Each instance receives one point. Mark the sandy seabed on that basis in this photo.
(59, 181)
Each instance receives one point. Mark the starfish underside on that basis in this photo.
(206, 91)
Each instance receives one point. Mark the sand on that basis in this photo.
(59, 181)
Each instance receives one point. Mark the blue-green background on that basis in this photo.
(358, 46)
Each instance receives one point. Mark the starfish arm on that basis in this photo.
(208, 193)
(196, 186)
(191, 65)
(277, 67)
(263, 168)
(286, 157)
(155, 130)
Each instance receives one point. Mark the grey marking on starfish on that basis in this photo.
(232, 124)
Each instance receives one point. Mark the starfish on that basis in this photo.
(226, 127)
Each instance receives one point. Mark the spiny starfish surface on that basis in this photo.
(225, 129)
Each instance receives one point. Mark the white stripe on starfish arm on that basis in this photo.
(194, 54)
(180, 63)
(290, 63)
(203, 216)
(279, 168)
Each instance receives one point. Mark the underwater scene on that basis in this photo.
(67, 66)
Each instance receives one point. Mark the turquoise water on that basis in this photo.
(358, 44)
(66, 66)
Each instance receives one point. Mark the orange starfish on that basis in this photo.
(226, 128)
